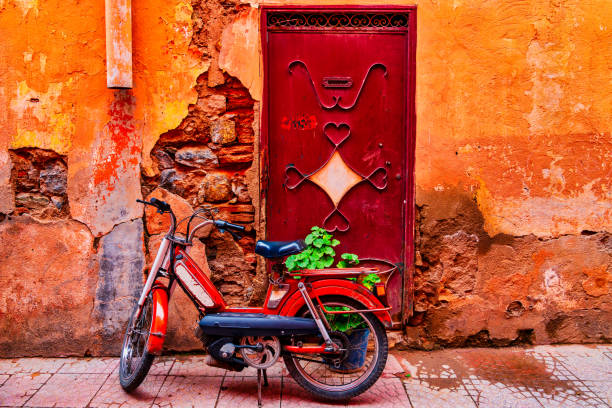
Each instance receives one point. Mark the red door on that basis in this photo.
(338, 132)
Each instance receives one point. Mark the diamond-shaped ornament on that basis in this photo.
(336, 178)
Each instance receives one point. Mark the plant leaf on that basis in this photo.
(327, 261)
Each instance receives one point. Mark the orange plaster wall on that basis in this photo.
(53, 96)
(514, 106)
(513, 102)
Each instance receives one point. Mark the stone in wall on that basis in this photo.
(39, 180)
(200, 157)
(223, 131)
(215, 188)
(240, 188)
(225, 115)
(120, 281)
(160, 223)
(7, 198)
(231, 270)
(48, 278)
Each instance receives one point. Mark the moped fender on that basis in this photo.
(160, 319)
(338, 287)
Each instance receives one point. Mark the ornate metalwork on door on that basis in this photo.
(322, 20)
(335, 177)
(347, 83)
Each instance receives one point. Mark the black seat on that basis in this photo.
(277, 249)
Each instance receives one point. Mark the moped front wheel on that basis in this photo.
(364, 349)
(135, 360)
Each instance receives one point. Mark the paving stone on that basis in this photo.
(543, 376)
(587, 363)
(568, 394)
(31, 365)
(552, 363)
(18, 388)
(242, 392)
(277, 370)
(514, 365)
(424, 365)
(438, 392)
(68, 390)
(385, 393)
(393, 368)
(195, 365)
(190, 391)
(295, 396)
(499, 394)
(112, 395)
(90, 365)
(602, 389)
(161, 365)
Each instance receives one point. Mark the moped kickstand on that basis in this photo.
(259, 384)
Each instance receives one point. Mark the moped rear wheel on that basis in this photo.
(350, 372)
(135, 360)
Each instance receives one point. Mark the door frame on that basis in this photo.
(408, 209)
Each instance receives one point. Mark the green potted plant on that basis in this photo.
(320, 254)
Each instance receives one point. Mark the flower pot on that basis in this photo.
(357, 354)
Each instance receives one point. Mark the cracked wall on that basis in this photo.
(72, 153)
(512, 167)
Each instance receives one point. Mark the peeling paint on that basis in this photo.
(167, 66)
(240, 53)
(42, 120)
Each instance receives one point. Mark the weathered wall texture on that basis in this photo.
(513, 167)
(72, 153)
(513, 173)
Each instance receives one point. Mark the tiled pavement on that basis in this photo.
(543, 376)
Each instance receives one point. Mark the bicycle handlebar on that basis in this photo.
(163, 207)
(228, 226)
(159, 204)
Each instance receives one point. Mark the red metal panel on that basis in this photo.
(160, 319)
(338, 131)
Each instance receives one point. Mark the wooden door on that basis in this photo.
(338, 132)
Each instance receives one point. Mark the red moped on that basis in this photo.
(310, 318)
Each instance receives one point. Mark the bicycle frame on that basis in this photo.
(284, 297)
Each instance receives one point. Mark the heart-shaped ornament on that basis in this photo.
(336, 221)
(337, 133)
(378, 178)
(293, 177)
